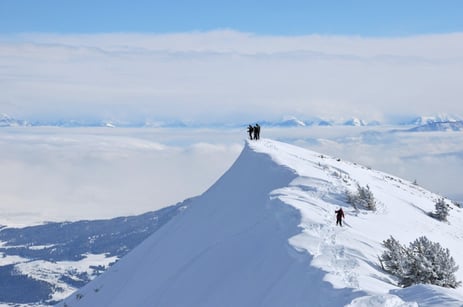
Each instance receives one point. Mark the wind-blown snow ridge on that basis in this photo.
(264, 235)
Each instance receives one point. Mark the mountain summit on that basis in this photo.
(265, 235)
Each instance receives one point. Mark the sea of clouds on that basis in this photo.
(56, 174)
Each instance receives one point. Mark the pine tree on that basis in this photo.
(442, 210)
(363, 199)
(419, 268)
(423, 262)
(367, 195)
(392, 259)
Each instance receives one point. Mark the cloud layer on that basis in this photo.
(88, 173)
(228, 76)
(59, 174)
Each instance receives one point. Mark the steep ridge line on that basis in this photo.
(264, 235)
(229, 248)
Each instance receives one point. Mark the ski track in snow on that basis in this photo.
(328, 254)
(309, 191)
(321, 195)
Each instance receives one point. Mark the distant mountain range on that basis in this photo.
(439, 126)
(9, 121)
(425, 120)
(294, 122)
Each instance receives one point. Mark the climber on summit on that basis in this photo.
(250, 131)
(256, 132)
(339, 216)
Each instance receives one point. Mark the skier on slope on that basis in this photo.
(339, 216)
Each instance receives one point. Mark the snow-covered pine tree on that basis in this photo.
(418, 269)
(363, 199)
(351, 198)
(442, 210)
(394, 257)
(444, 266)
(423, 262)
(367, 196)
(432, 264)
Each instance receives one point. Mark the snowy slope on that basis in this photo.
(264, 235)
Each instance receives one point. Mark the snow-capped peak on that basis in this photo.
(355, 122)
(424, 120)
(8, 121)
(293, 122)
(264, 235)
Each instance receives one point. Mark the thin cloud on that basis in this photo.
(221, 75)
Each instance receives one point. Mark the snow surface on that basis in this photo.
(264, 235)
(52, 272)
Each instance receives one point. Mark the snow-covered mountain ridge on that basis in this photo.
(264, 235)
(424, 120)
(286, 122)
(439, 126)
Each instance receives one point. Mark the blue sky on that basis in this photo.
(292, 17)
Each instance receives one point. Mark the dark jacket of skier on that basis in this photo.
(256, 132)
(339, 216)
(250, 131)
